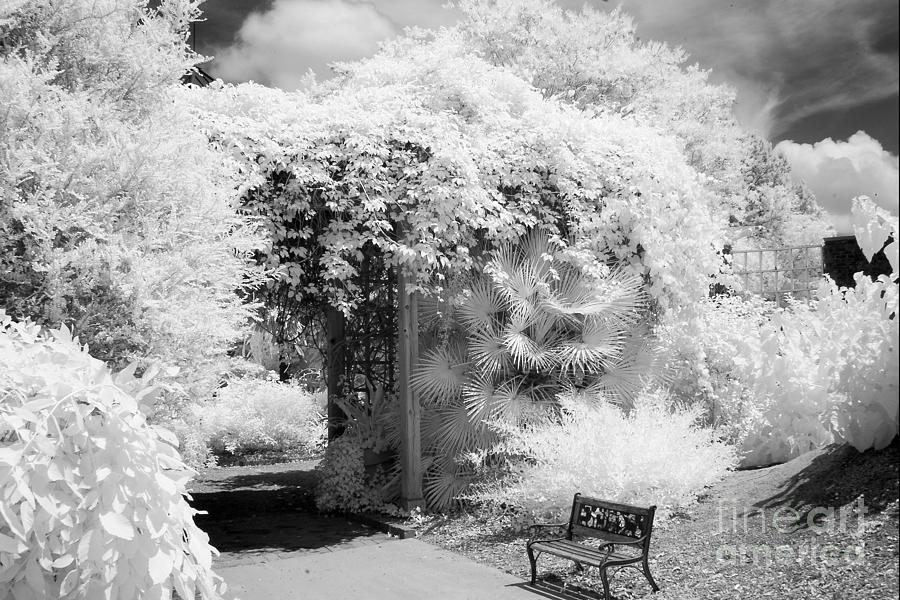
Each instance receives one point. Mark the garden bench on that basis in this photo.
(624, 530)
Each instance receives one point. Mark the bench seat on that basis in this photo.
(585, 555)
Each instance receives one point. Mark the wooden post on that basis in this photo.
(334, 334)
(410, 412)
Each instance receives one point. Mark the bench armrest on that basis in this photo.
(612, 545)
(536, 529)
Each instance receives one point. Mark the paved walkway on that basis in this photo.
(274, 548)
(391, 570)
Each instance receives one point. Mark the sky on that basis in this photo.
(819, 78)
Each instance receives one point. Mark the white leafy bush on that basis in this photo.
(253, 415)
(787, 381)
(829, 373)
(652, 455)
(714, 350)
(118, 218)
(92, 497)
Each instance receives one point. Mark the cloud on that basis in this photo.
(277, 47)
(838, 171)
(787, 60)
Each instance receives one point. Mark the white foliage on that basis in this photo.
(92, 497)
(251, 415)
(117, 217)
(651, 455)
(788, 381)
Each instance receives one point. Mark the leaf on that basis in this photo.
(13, 522)
(63, 561)
(198, 544)
(117, 525)
(439, 376)
(488, 352)
(479, 306)
(11, 545)
(10, 456)
(160, 567)
(166, 435)
(69, 582)
(84, 546)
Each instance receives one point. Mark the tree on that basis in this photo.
(776, 210)
(117, 218)
(596, 61)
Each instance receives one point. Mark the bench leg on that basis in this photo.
(649, 576)
(533, 560)
(604, 579)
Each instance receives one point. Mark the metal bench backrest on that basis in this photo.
(592, 517)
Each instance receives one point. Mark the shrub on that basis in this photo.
(261, 415)
(344, 485)
(91, 495)
(530, 326)
(714, 350)
(117, 217)
(652, 455)
(829, 373)
(787, 381)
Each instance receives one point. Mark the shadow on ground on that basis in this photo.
(267, 509)
(838, 477)
(556, 591)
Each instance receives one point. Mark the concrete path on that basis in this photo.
(392, 570)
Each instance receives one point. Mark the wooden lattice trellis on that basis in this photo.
(377, 346)
(778, 273)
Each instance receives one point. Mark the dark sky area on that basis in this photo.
(808, 73)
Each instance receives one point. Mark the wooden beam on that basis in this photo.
(410, 411)
(334, 334)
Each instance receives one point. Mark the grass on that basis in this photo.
(763, 533)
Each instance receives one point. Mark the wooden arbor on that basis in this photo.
(375, 345)
(380, 344)
(410, 410)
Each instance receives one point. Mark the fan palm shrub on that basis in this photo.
(524, 327)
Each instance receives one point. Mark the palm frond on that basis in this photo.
(488, 352)
(388, 418)
(511, 404)
(526, 352)
(443, 482)
(457, 433)
(429, 427)
(516, 279)
(537, 250)
(478, 396)
(436, 311)
(638, 365)
(599, 344)
(478, 306)
(543, 329)
(439, 376)
(621, 295)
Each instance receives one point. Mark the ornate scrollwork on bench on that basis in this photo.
(611, 521)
